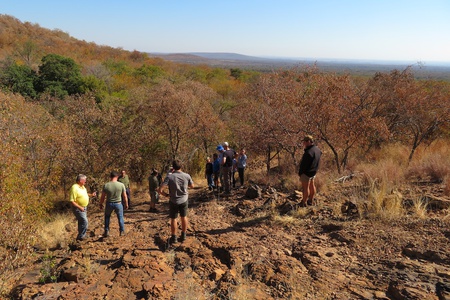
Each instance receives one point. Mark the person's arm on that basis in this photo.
(124, 195)
(161, 190)
(102, 200)
(76, 205)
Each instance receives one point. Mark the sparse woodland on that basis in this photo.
(68, 107)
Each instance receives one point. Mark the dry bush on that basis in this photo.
(389, 171)
(54, 234)
(383, 202)
(433, 166)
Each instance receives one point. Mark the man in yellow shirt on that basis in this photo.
(79, 198)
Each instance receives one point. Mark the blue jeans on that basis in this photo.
(82, 221)
(118, 208)
(209, 178)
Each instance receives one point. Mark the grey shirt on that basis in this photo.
(178, 183)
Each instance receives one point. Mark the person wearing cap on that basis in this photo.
(216, 169)
(308, 169)
(153, 184)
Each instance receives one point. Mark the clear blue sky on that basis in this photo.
(401, 30)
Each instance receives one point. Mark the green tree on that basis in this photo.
(59, 76)
(19, 79)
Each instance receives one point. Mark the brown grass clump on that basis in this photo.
(435, 167)
(54, 234)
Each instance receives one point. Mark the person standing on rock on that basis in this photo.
(126, 181)
(113, 192)
(79, 198)
(308, 169)
(178, 183)
(153, 184)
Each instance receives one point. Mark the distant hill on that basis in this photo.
(363, 68)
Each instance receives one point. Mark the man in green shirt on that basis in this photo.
(153, 184)
(113, 192)
(126, 181)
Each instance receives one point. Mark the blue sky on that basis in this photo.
(399, 30)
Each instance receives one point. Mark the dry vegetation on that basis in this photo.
(389, 134)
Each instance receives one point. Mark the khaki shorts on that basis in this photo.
(304, 178)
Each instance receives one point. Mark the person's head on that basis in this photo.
(81, 179)
(225, 145)
(220, 148)
(176, 165)
(215, 156)
(308, 140)
(154, 172)
(114, 174)
(208, 159)
(242, 151)
(124, 173)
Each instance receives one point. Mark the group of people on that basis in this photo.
(116, 193)
(223, 168)
(115, 198)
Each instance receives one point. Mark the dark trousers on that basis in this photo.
(241, 175)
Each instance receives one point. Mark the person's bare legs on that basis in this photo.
(312, 191)
(305, 191)
(184, 223)
(173, 226)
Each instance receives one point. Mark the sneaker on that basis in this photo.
(183, 237)
(106, 233)
(310, 202)
(122, 233)
(173, 239)
(83, 238)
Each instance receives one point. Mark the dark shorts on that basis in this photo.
(174, 209)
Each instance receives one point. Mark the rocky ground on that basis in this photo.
(243, 247)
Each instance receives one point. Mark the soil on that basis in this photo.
(241, 247)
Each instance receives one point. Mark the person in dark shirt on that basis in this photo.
(209, 173)
(308, 169)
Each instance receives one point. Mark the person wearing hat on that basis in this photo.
(153, 184)
(308, 169)
(216, 170)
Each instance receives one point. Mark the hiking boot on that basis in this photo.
(154, 210)
(122, 233)
(183, 237)
(106, 233)
(310, 202)
(82, 238)
(173, 239)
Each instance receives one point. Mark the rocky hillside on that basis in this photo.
(244, 247)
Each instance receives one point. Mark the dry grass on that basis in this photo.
(435, 167)
(54, 234)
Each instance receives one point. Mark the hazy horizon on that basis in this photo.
(400, 31)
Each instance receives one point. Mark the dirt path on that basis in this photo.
(240, 248)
